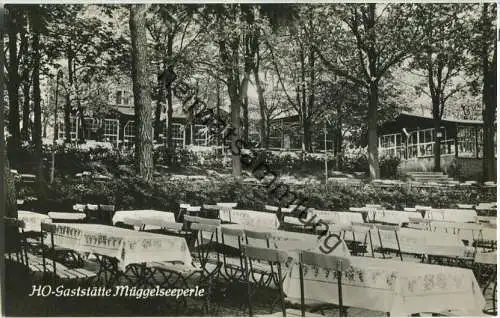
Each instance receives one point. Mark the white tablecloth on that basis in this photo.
(67, 215)
(340, 218)
(147, 217)
(392, 216)
(422, 242)
(127, 246)
(251, 218)
(465, 231)
(32, 220)
(455, 215)
(399, 288)
(290, 241)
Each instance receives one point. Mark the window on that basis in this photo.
(73, 129)
(111, 127)
(391, 145)
(122, 98)
(129, 132)
(199, 135)
(91, 127)
(177, 134)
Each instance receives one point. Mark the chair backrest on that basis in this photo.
(260, 235)
(210, 228)
(14, 240)
(79, 207)
(193, 209)
(233, 232)
(271, 208)
(385, 227)
(107, 207)
(331, 262)
(265, 254)
(191, 219)
(92, 207)
(173, 226)
(215, 222)
(210, 211)
(227, 204)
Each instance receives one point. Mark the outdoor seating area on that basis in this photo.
(422, 260)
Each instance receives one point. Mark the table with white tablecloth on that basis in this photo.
(32, 220)
(143, 217)
(395, 287)
(126, 246)
(282, 240)
(250, 218)
(455, 215)
(419, 242)
(335, 217)
(392, 216)
(465, 231)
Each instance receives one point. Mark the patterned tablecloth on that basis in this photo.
(32, 220)
(251, 218)
(127, 246)
(147, 217)
(455, 215)
(399, 288)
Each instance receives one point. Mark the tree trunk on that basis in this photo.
(81, 128)
(246, 122)
(437, 146)
(9, 195)
(37, 109)
(25, 132)
(373, 162)
(236, 135)
(160, 100)
(13, 83)
(142, 96)
(262, 108)
(489, 100)
(170, 103)
(219, 102)
(67, 106)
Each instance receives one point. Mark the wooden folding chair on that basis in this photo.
(354, 246)
(275, 258)
(382, 249)
(261, 273)
(210, 211)
(15, 241)
(233, 269)
(327, 262)
(57, 271)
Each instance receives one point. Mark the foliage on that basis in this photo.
(131, 192)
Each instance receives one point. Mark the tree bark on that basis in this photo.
(168, 88)
(13, 82)
(437, 140)
(9, 194)
(373, 161)
(160, 99)
(142, 96)
(67, 106)
(37, 125)
(26, 107)
(262, 108)
(489, 99)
